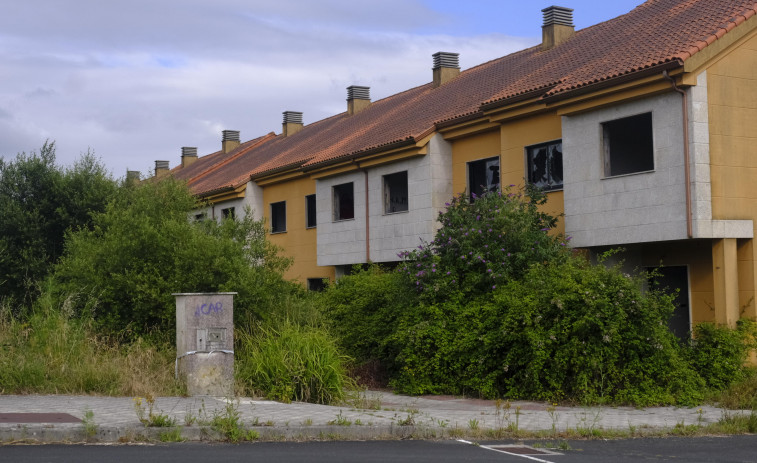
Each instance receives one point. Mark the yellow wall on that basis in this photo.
(509, 144)
(516, 136)
(297, 242)
(732, 97)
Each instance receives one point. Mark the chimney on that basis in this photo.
(358, 98)
(446, 67)
(558, 26)
(230, 140)
(188, 155)
(132, 177)
(161, 169)
(292, 123)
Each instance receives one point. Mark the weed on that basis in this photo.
(409, 419)
(229, 424)
(340, 420)
(473, 424)
(174, 435)
(358, 422)
(307, 422)
(157, 420)
(90, 428)
(361, 401)
(189, 418)
(456, 432)
(552, 412)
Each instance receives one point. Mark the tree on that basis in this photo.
(144, 247)
(40, 202)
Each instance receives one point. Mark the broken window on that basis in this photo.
(310, 211)
(545, 165)
(316, 284)
(483, 176)
(228, 213)
(395, 193)
(627, 145)
(279, 217)
(344, 201)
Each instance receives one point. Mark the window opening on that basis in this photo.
(310, 211)
(316, 284)
(395, 193)
(279, 217)
(483, 176)
(201, 216)
(228, 213)
(628, 145)
(344, 201)
(545, 165)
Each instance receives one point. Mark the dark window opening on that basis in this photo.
(310, 211)
(200, 217)
(483, 176)
(545, 165)
(279, 217)
(395, 193)
(228, 213)
(344, 201)
(317, 284)
(627, 145)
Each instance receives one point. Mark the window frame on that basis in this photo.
(529, 164)
(607, 141)
(483, 161)
(387, 192)
(308, 209)
(274, 229)
(336, 203)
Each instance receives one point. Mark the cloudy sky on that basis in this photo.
(136, 80)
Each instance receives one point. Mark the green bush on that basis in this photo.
(364, 308)
(719, 353)
(143, 248)
(482, 244)
(292, 362)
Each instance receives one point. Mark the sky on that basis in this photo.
(134, 81)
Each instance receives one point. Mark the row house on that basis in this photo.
(641, 128)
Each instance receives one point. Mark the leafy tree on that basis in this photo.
(40, 202)
(143, 248)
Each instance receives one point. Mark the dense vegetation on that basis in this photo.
(498, 306)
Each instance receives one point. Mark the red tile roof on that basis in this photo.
(658, 33)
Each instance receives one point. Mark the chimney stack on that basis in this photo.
(292, 123)
(446, 67)
(358, 98)
(132, 177)
(188, 155)
(161, 169)
(558, 26)
(230, 140)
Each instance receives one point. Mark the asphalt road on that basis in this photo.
(690, 450)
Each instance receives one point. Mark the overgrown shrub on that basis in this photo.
(484, 243)
(291, 363)
(143, 248)
(719, 353)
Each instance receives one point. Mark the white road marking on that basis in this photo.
(508, 453)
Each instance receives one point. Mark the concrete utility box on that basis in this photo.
(205, 342)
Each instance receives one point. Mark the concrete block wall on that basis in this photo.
(633, 208)
(429, 187)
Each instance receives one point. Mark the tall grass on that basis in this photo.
(51, 352)
(291, 362)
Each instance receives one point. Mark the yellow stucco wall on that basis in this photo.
(509, 144)
(732, 96)
(297, 242)
(732, 108)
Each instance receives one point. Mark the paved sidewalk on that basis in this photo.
(380, 415)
